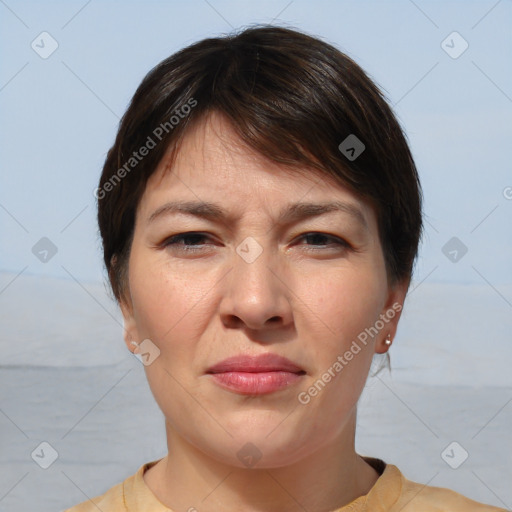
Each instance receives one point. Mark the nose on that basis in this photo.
(255, 292)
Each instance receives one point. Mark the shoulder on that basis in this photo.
(131, 494)
(415, 496)
(110, 501)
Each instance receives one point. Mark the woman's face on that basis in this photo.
(260, 276)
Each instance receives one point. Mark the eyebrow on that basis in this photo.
(292, 213)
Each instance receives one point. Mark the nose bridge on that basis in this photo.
(254, 291)
(253, 266)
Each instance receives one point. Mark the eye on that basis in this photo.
(191, 241)
(319, 238)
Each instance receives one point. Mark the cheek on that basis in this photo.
(164, 300)
(345, 302)
(168, 308)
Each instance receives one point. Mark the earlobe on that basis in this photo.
(384, 344)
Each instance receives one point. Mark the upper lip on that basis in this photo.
(256, 364)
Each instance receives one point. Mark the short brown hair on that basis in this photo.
(291, 97)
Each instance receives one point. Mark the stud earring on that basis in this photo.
(388, 340)
(136, 346)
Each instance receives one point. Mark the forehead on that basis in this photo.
(213, 163)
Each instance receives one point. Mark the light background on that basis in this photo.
(60, 331)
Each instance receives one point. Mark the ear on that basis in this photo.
(130, 325)
(125, 302)
(390, 315)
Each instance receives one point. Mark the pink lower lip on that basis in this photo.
(259, 383)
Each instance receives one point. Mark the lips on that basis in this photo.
(256, 375)
(256, 364)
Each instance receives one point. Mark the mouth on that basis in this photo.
(256, 375)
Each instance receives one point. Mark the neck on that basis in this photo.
(331, 477)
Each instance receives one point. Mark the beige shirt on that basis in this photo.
(391, 493)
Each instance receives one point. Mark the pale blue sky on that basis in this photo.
(60, 114)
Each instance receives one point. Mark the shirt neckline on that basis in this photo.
(137, 496)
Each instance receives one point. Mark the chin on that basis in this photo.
(267, 444)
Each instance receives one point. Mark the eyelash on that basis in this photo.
(175, 239)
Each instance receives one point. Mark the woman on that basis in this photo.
(260, 214)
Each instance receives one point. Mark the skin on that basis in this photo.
(303, 298)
